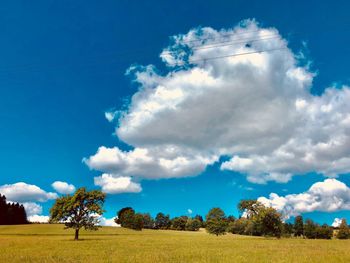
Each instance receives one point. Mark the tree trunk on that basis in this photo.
(76, 237)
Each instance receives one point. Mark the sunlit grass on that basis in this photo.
(50, 243)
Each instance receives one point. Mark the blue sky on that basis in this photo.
(63, 66)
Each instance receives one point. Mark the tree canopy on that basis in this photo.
(216, 222)
(250, 207)
(162, 221)
(78, 210)
(298, 226)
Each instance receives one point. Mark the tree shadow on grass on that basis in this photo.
(85, 239)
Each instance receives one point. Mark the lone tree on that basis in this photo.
(78, 210)
(216, 222)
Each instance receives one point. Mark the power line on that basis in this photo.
(222, 36)
(242, 40)
(231, 43)
(237, 54)
(226, 43)
(121, 54)
(91, 61)
(88, 65)
(235, 42)
(94, 60)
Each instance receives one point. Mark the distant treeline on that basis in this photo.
(127, 218)
(11, 213)
(255, 220)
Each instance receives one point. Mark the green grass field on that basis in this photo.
(50, 243)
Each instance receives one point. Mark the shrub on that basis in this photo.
(193, 224)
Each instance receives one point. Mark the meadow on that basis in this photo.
(51, 243)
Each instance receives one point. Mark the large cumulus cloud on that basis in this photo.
(256, 109)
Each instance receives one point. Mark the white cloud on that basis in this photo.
(336, 222)
(320, 143)
(63, 187)
(38, 219)
(22, 192)
(256, 109)
(116, 185)
(328, 196)
(107, 222)
(189, 211)
(150, 163)
(110, 115)
(32, 208)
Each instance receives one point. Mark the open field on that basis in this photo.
(50, 243)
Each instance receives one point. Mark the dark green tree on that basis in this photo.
(268, 222)
(10, 218)
(310, 229)
(343, 232)
(11, 213)
(288, 229)
(3, 210)
(216, 222)
(162, 221)
(148, 221)
(238, 227)
(179, 223)
(78, 210)
(250, 207)
(137, 222)
(125, 217)
(200, 218)
(298, 226)
(261, 220)
(231, 219)
(324, 232)
(193, 224)
(215, 213)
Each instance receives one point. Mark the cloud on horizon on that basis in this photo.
(327, 196)
(23, 192)
(336, 222)
(38, 219)
(107, 222)
(256, 109)
(32, 209)
(28, 195)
